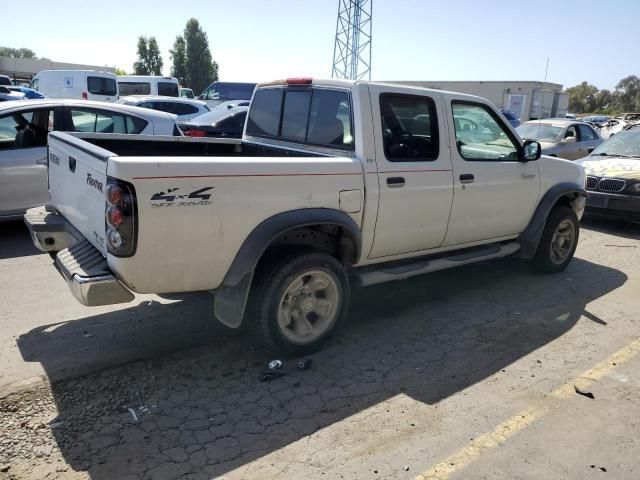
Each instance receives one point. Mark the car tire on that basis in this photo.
(558, 241)
(298, 301)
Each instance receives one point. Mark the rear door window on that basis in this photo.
(409, 127)
(102, 86)
(103, 121)
(168, 89)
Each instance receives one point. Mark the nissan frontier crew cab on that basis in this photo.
(334, 184)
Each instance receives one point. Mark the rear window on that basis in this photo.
(315, 116)
(101, 86)
(134, 88)
(228, 91)
(168, 89)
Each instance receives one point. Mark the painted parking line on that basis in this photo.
(500, 434)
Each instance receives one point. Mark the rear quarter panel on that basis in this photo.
(194, 213)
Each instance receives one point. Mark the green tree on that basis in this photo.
(141, 65)
(200, 68)
(120, 71)
(179, 60)
(604, 101)
(149, 60)
(155, 58)
(17, 52)
(628, 94)
(582, 98)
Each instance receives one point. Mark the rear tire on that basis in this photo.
(298, 301)
(558, 242)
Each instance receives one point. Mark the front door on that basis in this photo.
(23, 160)
(414, 171)
(495, 193)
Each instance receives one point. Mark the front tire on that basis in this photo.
(558, 242)
(298, 301)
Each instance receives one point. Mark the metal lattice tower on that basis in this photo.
(352, 48)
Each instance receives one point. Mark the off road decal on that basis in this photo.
(178, 198)
(92, 182)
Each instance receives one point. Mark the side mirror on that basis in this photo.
(569, 140)
(531, 150)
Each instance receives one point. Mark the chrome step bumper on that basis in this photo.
(80, 263)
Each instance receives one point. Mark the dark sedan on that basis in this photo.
(220, 122)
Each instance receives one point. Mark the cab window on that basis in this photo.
(481, 136)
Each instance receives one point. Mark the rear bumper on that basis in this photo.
(80, 263)
(624, 207)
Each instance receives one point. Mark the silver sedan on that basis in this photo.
(24, 127)
(561, 138)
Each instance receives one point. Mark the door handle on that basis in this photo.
(42, 161)
(395, 181)
(72, 164)
(467, 178)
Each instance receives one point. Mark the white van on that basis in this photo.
(148, 85)
(86, 84)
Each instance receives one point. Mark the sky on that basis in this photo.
(259, 40)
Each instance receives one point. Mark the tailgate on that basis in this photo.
(77, 180)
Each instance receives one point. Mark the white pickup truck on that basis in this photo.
(333, 184)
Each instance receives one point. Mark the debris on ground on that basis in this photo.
(583, 393)
(304, 364)
(274, 364)
(133, 414)
(268, 375)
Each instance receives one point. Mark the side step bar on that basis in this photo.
(372, 277)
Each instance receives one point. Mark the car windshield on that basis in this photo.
(623, 144)
(542, 132)
(230, 91)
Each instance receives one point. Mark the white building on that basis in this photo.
(527, 99)
(23, 69)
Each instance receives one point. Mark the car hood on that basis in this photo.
(614, 167)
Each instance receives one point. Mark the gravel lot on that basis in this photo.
(460, 374)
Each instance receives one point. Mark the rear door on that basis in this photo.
(102, 88)
(494, 192)
(414, 171)
(23, 159)
(77, 182)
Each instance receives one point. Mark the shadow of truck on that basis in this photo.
(202, 412)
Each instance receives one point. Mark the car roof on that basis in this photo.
(147, 98)
(57, 102)
(216, 115)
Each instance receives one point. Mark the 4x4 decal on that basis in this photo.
(173, 197)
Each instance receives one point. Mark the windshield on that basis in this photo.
(623, 144)
(542, 132)
(229, 91)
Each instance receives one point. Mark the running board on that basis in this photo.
(373, 277)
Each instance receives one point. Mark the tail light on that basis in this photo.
(121, 223)
(85, 95)
(194, 132)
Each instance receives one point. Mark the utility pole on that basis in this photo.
(352, 47)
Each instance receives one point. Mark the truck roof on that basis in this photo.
(352, 83)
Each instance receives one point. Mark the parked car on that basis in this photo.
(29, 93)
(513, 119)
(183, 108)
(6, 94)
(632, 126)
(570, 116)
(613, 177)
(84, 84)
(219, 92)
(4, 80)
(186, 93)
(24, 127)
(628, 117)
(220, 122)
(148, 85)
(561, 138)
(281, 223)
(596, 120)
(612, 126)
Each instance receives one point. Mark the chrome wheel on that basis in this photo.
(562, 241)
(309, 306)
